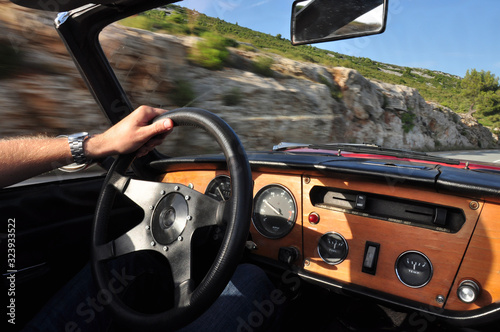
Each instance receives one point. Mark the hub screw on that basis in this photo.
(153, 243)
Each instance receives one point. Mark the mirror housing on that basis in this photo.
(315, 21)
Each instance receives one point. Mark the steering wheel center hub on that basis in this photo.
(169, 218)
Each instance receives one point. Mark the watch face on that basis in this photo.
(81, 135)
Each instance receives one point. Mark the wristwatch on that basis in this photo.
(76, 146)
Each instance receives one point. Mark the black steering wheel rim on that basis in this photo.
(236, 212)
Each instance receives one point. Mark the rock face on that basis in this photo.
(337, 103)
(45, 92)
(397, 116)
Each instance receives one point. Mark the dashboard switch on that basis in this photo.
(440, 216)
(371, 257)
(360, 202)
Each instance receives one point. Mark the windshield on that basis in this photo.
(429, 83)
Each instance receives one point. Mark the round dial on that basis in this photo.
(414, 269)
(332, 248)
(219, 188)
(275, 211)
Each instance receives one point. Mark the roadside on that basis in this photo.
(489, 156)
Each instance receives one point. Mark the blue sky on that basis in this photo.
(446, 35)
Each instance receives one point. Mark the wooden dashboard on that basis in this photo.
(468, 251)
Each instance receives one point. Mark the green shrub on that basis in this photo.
(407, 119)
(246, 47)
(158, 21)
(229, 42)
(334, 89)
(178, 18)
(233, 97)
(262, 66)
(182, 93)
(211, 52)
(138, 22)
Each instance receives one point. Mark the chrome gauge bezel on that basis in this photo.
(398, 274)
(260, 228)
(340, 260)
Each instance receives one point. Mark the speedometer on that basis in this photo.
(275, 211)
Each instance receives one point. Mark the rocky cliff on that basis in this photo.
(41, 90)
(45, 92)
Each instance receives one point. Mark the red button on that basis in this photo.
(313, 218)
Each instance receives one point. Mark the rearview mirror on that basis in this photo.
(315, 21)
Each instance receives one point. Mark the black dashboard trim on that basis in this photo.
(481, 316)
(464, 182)
(469, 182)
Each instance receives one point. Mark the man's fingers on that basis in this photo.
(142, 152)
(162, 127)
(154, 142)
(149, 113)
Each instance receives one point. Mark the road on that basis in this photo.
(490, 156)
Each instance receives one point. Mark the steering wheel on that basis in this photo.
(172, 213)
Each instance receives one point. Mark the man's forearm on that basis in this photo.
(23, 158)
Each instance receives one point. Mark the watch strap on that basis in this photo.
(76, 147)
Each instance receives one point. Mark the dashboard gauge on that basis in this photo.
(219, 188)
(275, 211)
(414, 269)
(332, 248)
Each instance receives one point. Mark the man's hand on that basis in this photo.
(133, 133)
(23, 158)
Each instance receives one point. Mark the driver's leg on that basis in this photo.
(248, 303)
(76, 307)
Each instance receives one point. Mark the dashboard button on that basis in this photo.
(313, 218)
(440, 216)
(468, 291)
(371, 257)
(360, 202)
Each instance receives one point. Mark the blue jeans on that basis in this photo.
(249, 303)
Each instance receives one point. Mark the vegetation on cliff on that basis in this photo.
(477, 93)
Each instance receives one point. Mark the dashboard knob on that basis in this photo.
(468, 291)
(288, 255)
